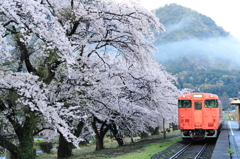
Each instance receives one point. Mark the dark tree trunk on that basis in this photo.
(131, 137)
(117, 136)
(5, 143)
(100, 133)
(25, 136)
(24, 133)
(99, 142)
(24, 57)
(25, 149)
(65, 148)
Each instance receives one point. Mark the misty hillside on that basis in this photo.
(183, 23)
(202, 54)
(194, 36)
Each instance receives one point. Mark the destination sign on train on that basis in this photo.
(197, 95)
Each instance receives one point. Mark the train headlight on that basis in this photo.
(214, 116)
(182, 116)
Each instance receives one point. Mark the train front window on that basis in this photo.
(198, 105)
(184, 104)
(211, 103)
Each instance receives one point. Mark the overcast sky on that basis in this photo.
(225, 13)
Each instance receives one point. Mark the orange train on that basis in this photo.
(199, 115)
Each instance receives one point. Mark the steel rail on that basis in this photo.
(201, 151)
(180, 151)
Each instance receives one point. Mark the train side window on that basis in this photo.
(211, 103)
(198, 105)
(184, 104)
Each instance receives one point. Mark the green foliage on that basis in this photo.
(36, 142)
(221, 82)
(224, 83)
(46, 146)
(231, 151)
(209, 74)
(144, 135)
(154, 131)
(2, 150)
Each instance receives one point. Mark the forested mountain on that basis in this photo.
(202, 54)
(183, 23)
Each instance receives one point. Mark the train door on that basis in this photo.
(197, 114)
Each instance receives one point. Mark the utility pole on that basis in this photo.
(164, 131)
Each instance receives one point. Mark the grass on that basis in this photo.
(225, 116)
(144, 148)
(150, 149)
(231, 151)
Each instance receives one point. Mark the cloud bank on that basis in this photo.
(212, 49)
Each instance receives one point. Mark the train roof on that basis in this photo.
(198, 95)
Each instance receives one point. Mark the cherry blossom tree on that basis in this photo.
(24, 100)
(136, 100)
(108, 30)
(72, 64)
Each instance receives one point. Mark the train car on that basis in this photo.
(199, 115)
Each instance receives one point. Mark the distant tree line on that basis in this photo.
(223, 82)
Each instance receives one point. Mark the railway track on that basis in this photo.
(195, 150)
